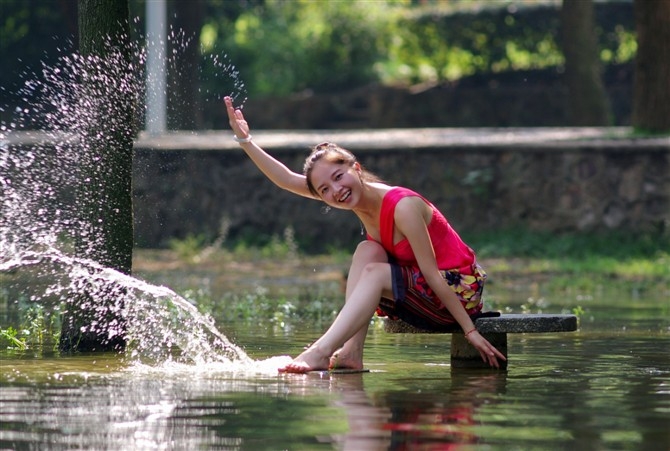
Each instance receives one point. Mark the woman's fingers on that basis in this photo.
(232, 112)
(490, 358)
(236, 118)
(229, 105)
(490, 354)
(498, 354)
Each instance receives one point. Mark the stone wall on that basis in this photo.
(544, 179)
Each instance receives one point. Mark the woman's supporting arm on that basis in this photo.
(412, 216)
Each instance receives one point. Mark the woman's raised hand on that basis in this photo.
(236, 119)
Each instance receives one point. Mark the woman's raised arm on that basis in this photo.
(273, 169)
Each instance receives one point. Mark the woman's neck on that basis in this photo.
(371, 202)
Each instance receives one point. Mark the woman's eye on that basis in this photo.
(338, 176)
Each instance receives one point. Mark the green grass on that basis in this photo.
(564, 264)
(575, 246)
(585, 263)
(626, 255)
(606, 266)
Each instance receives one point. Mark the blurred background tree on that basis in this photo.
(651, 105)
(588, 103)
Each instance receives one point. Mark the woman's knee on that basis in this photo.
(367, 253)
(378, 273)
(370, 251)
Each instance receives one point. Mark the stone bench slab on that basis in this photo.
(509, 324)
(521, 324)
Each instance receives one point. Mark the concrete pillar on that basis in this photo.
(156, 113)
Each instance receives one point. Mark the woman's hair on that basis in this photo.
(333, 153)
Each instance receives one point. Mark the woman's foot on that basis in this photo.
(346, 360)
(310, 360)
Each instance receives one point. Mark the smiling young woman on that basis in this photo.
(412, 265)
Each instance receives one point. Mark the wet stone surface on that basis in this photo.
(512, 323)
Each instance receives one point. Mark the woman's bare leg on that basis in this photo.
(374, 283)
(351, 354)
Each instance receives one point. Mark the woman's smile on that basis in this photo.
(344, 196)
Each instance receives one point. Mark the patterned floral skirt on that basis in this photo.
(415, 302)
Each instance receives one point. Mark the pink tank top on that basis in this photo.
(450, 250)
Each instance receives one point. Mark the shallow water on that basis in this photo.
(606, 386)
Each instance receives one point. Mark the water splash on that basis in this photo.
(42, 152)
(159, 325)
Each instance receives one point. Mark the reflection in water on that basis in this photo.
(603, 387)
(366, 420)
(582, 391)
(444, 416)
(443, 413)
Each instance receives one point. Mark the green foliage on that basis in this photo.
(272, 247)
(40, 328)
(286, 47)
(619, 46)
(578, 311)
(36, 326)
(437, 44)
(632, 262)
(574, 268)
(9, 339)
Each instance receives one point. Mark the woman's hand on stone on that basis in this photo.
(488, 352)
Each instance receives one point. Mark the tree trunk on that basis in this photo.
(588, 102)
(104, 198)
(651, 87)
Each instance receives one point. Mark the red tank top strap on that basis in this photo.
(386, 221)
(386, 216)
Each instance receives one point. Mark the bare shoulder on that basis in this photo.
(411, 207)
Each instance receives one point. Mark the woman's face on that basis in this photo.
(339, 185)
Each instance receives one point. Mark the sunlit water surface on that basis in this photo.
(606, 386)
